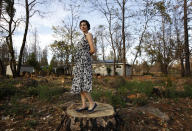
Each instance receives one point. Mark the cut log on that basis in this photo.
(103, 118)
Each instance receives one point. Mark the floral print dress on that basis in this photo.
(82, 71)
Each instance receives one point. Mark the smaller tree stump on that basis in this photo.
(103, 118)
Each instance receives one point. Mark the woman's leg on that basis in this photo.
(91, 102)
(83, 99)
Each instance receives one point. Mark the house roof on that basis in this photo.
(26, 66)
(107, 62)
(23, 65)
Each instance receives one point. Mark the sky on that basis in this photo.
(55, 13)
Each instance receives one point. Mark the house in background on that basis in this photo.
(63, 69)
(24, 68)
(105, 68)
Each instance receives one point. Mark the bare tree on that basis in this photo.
(3, 6)
(68, 32)
(179, 53)
(108, 10)
(118, 41)
(44, 60)
(99, 32)
(8, 31)
(148, 15)
(4, 57)
(35, 48)
(11, 26)
(61, 50)
(1, 2)
(122, 6)
(25, 54)
(30, 11)
(186, 44)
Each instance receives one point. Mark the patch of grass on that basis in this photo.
(188, 90)
(32, 91)
(117, 82)
(109, 97)
(97, 94)
(14, 109)
(7, 91)
(105, 80)
(170, 92)
(134, 87)
(137, 87)
(31, 123)
(7, 88)
(118, 101)
(8, 83)
(168, 82)
(123, 91)
(140, 101)
(46, 93)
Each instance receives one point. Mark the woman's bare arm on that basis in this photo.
(89, 38)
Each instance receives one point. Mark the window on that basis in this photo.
(118, 66)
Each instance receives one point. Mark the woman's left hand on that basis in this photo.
(91, 52)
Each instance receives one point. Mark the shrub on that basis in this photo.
(118, 82)
(7, 91)
(188, 90)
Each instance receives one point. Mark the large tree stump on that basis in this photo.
(103, 118)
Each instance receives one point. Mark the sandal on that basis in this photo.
(91, 110)
(81, 109)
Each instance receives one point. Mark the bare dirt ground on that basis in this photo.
(29, 113)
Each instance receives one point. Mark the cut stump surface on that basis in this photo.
(101, 110)
(103, 118)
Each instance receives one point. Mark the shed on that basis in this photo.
(105, 68)
(24, 68)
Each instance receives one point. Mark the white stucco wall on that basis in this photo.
(23, 68)
(8, 71)
(102, 69)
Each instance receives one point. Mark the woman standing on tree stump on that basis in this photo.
(82, 71)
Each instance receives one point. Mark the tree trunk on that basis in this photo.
(95, 56)
(2, 69)
(1, 2)
(180, 48)
(164, 68)
(186, 45)
(139, 47)
(9, 40)
(112, 43)
(114, 62)
(181, 58)
(182, 67)
(123, 35)
(24, 37)
(103, 118)
(103, 49)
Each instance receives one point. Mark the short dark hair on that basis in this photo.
(87, 23)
